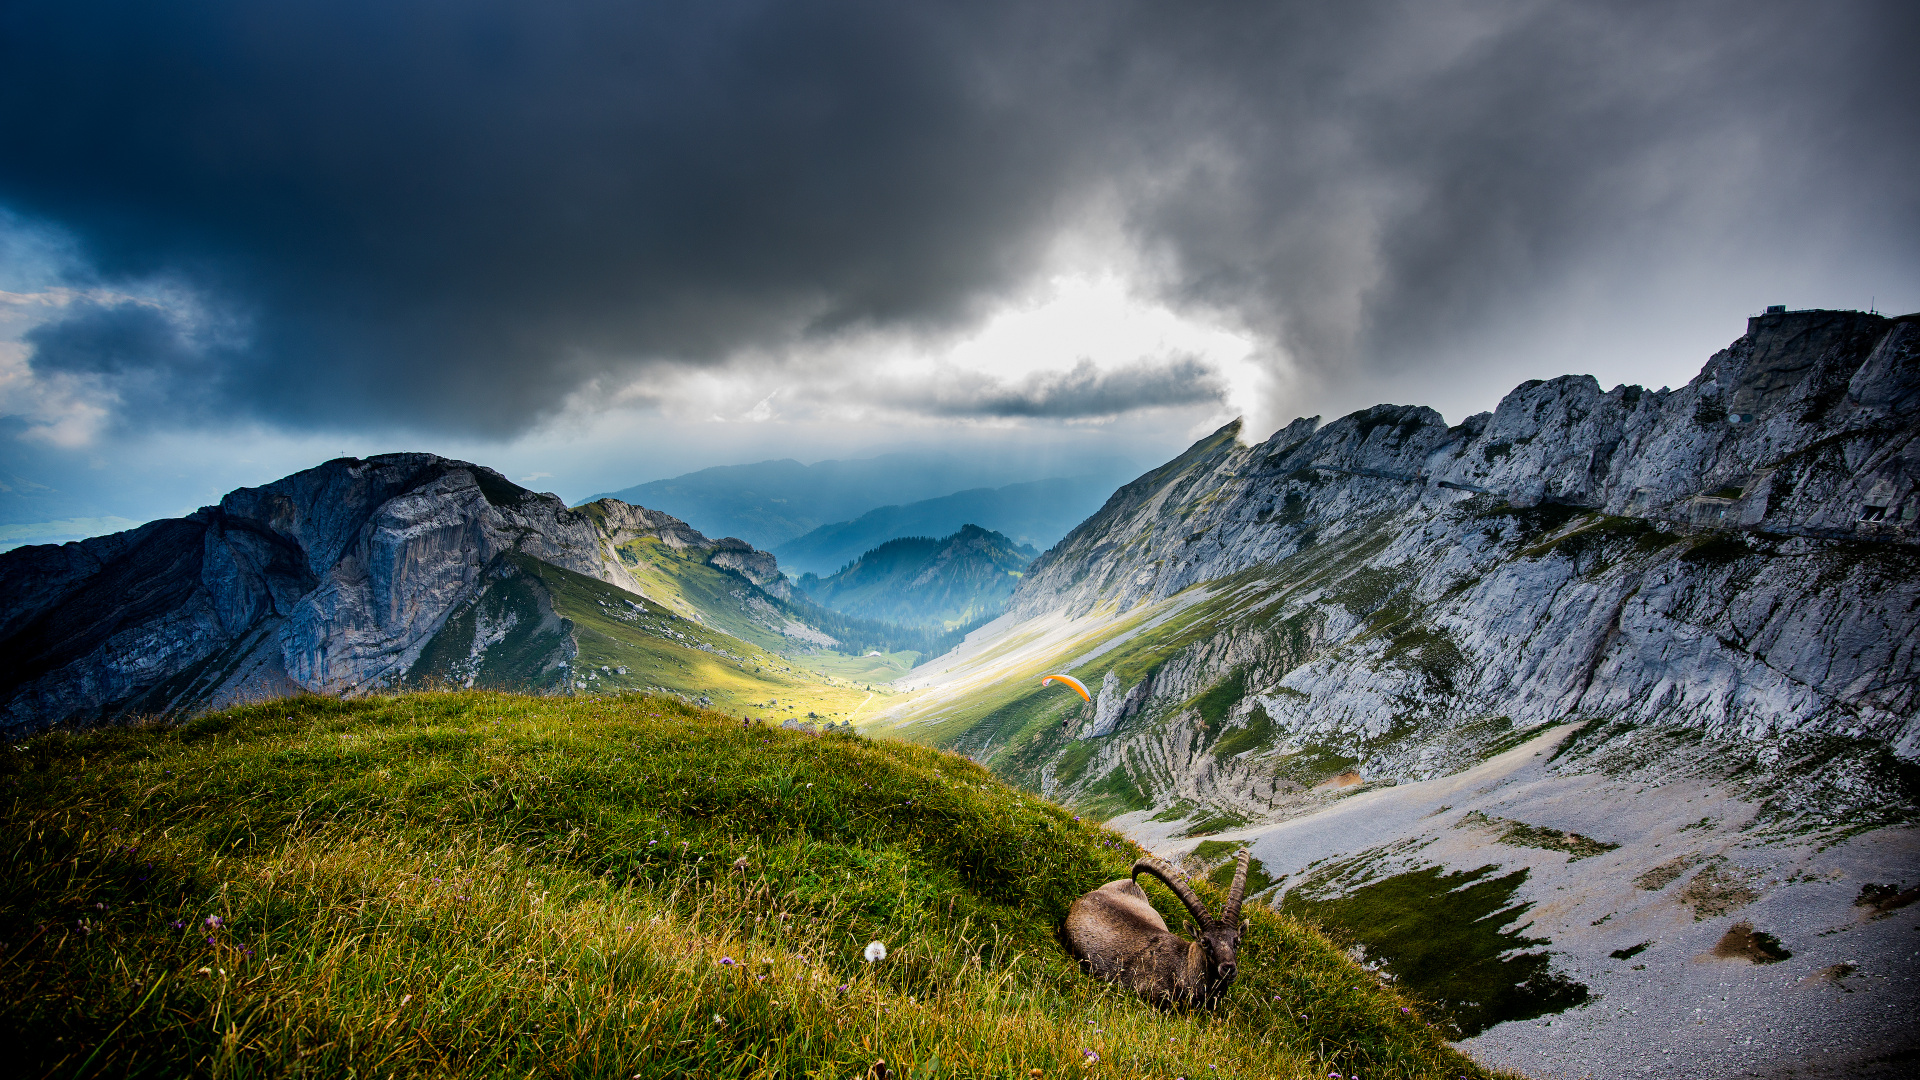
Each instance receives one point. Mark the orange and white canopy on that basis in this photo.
(1078, 686)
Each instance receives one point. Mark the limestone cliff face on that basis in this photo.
(1734, 561)
(330, 580)
(1810, 457)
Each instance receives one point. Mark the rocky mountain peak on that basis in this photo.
(329, 580)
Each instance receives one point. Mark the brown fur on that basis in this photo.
(1118, 935)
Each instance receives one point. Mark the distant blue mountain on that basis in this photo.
(770, 502)
(917, 581)
(1036, 513)
(774, 502)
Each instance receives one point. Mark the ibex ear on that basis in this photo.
(1243, 927)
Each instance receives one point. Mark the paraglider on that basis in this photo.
(1078, 686)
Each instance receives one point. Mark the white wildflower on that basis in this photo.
(876, 951)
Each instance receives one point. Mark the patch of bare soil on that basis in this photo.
(1717, 890)
(1883, 900)
(1520, 834)
(1743, 942)
(1831, 975)
(1345, 779)
(1667, 872)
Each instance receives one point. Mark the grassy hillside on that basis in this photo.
(480, 884)
(569, 633)
(683, 581)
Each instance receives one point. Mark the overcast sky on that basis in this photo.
(597, 242)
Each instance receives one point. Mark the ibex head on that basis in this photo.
(1219, 938)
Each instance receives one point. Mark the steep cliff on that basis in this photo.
(332, 580)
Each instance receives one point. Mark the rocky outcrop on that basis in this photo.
(1832, 455)
(330, 580)
(1114, 705)
(621, 523)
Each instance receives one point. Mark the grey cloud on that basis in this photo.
(163, 372)
(451, 217)
(1083, 391)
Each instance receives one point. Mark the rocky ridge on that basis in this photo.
(1409, 592)
(331, 580)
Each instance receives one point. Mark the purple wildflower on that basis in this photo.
(726, 961)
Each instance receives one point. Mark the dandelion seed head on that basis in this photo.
(876, 951)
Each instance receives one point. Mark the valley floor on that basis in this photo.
(1643, 943)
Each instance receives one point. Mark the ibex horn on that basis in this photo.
(1178, 884)
(1230, 916)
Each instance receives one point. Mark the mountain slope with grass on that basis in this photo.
(399, 569)
(475, 884)
(959, 580)
(1652, 656)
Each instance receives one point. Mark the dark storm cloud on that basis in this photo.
(137, 350)
(451, 214)
(1082, 391)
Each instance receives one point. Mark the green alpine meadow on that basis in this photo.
(484, 884)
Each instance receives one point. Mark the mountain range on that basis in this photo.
(395, 571)
(770, 503)
(1603, 706)
(1035, 514)
(960, 580)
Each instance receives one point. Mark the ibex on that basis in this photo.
(1118, 935)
